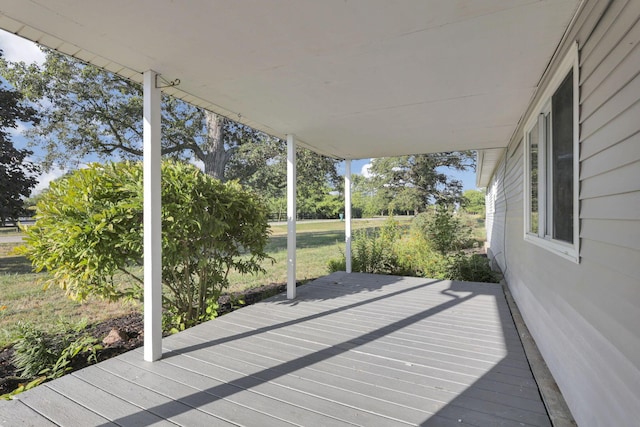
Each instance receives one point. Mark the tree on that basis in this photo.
(86, 110)
(264, 168)
(17, 173)
(367, 201)
(473, 202)
(407, 200)
(426, 173)
(88, 235)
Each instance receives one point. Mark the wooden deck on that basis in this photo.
(352, 349)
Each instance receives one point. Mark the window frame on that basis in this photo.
(570, 251)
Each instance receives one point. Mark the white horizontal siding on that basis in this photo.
(585, 316)
(611, 53)
(623, 179)
(623, 233)
(616, 156)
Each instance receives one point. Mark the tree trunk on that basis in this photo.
(215, 156)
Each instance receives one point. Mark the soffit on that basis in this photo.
(351, 79)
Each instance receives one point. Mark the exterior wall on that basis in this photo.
(585, 317)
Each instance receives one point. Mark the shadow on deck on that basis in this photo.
(352, 349)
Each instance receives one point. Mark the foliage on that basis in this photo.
(444, 230)
(316, 177)
(473, 268)
(24, 387)
(88, 235)
(23, 299)
(418, 257)
(366, 199)
(86, 110)
(320, 206)
(415, 252)
(35, 350)
(373, 251)
(17, 173)
(473, 202)
(407, 200)
(337, 264)
(51, 353)
(371, 254)
(424, 174)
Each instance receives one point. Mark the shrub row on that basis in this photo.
(433, 246)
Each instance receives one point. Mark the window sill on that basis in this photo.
(564, 250)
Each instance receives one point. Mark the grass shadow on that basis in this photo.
(306, 240)
(15, 265)
(311, 239)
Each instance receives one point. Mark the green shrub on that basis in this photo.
(88, 235)
(50, 353)
(473, 268)
(418, 257)
(372, 251)
(444, 230)
(337, 264)
(35, 350)
(417, 253)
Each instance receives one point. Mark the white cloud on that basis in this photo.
(366, 170)
(18, 49)
(45, 179)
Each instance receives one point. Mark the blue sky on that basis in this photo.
(18, 49)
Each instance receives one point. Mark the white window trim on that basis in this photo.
(570, 251)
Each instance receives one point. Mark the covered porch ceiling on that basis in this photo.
(349, 78)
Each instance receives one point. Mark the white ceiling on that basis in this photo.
(350, 78)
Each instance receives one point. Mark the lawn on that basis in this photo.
(23, 299)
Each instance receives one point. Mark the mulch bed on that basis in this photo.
(130, 326)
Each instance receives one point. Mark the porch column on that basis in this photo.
(291, 217)
(347, 214)
(152, 223)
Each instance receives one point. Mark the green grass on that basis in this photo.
(23, 299)
(316, 241)
(334, 225)
(10, 231)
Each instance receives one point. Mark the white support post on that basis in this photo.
(291, 217)
(152, 220)
(347, 214)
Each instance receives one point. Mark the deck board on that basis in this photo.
(352, 349)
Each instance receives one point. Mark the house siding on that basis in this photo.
(585, 317)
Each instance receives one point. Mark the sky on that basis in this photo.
(18, 49)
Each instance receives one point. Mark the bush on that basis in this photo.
(444, 230)
(418, 257)
(473, 268)
(417, 253)
(337, 264)
(373, 251)
(50, 353)
(88, 235)
(35, 350)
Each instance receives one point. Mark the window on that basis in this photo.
(551, 135)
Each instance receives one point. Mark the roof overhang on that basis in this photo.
(486, 162)
(351, 79)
